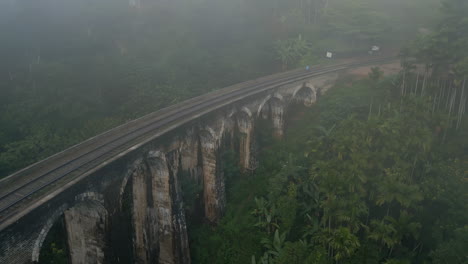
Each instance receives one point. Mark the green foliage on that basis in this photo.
(454, 250)
(237, 237)
(192, 191)
(351, 186)
(343, 243)
(287, 207)
(69, 75)
(274, 247)
(267, 215)
(365, 25)
(54, 249)
(55, 255)
(443, 50)
(294, 253)
(375, 74)
(289, 51)
(397, 261)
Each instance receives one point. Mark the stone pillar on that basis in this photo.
(144, 218)
(181, 244)
(213, 180)
(86, 226)
(277, 116)
(311, 97)
(161, 194)
(160, 232)
(245, 127)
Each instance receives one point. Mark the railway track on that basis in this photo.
(21, 189)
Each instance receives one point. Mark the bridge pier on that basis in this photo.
(180, 237)
(162, 201)
(86, 225)
(143, 217)
(213, 179)
(160, 232)
(277, 116)
(245, 126)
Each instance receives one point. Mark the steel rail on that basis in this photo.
(151, 117)
(151, 125)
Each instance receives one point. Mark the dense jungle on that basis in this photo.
(375, 172)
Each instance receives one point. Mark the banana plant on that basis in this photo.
(274, 247)
(266, 214)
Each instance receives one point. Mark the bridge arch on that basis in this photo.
(270, 101)
(93, 197)
(44, 231)
(307, 94)
(208, 137)
(126, 178)
(245, 112)
(273, 108)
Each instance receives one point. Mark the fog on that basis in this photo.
(70, 69)
(354, 149)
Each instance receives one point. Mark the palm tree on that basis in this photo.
(343, 243)
(354, 208)
(404, 226)
(311, 202)
(383, 232)
(394, 189)
(329, 207)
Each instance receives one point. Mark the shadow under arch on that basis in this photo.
(266, 104)
(81, 198)
(306, 94)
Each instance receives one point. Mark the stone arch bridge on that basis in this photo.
(119, 193)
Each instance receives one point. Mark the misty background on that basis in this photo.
(71, 69)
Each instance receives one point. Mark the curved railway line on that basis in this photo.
(20, 190)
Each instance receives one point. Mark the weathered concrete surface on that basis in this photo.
(179, 232)
(144, 219)
(162, 201)
(245, 125)
(189, 149)
(86, 225)
(160, 232)
(213, 180)
(277, 109)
